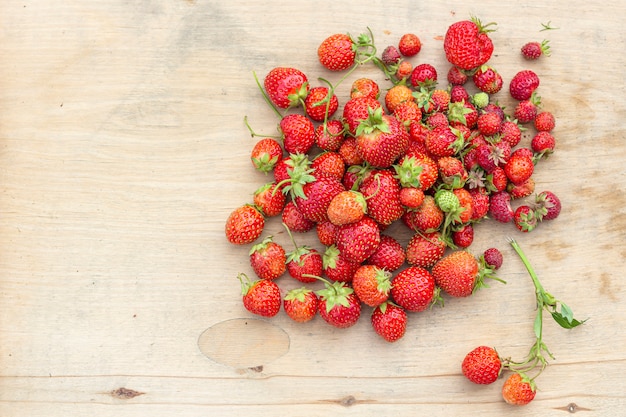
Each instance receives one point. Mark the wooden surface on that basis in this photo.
(123, 149)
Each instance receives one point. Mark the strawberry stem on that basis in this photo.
(265, 96)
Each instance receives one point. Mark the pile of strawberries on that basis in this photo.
(436, 159)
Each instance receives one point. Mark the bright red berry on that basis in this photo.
(482, 365)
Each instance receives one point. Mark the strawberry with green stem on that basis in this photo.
(537, 358)
(339, 306)
(303, 261)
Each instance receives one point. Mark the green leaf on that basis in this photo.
(537, 325)
(565, 322)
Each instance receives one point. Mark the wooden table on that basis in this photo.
(123, 149)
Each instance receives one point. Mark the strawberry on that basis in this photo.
(542, 144)
(389, 321)
(349, 153)
(295, 220)
(425, 218)
(463, 113)
(411, 197)
(329, 163)
(318, 106)
(371, 284)
(424, 75)
(381, 139)
(523, 84)
(303, 263)
(464, 236)
(518, 390)
(261, 297)
(440, 100)
(456, 76)
(482, 365)
(382, 196)
(268, 259)
(317, 195)
(408, 112)
(544, 122)
(451, 171)
(339, 306)
(390, 55)
(458, 274)
(298, 133)
(244, 225)
(489, 124)
(487, 80)
(301, 304)
(521, 190)
(364, 87)
(519, 167)
(390, 255)
(425, 249)
(269, 200)
(442, 141)
(286, 87)
(458, 94)
(358, 241)
(265, 154)
(500, 207)
(346, 207)
(510, 132)
(357, 109)
(409, 44)
(337, 52)
(326, 232)
(413, 289)
(534, 50)
(547, 205)
(480, 203)
(497, 179)
(419, 171)
(526, 110)
(493, 257)
(336, 266)
(467, 44)
(524, 218)
(397, 95)
(405, 68)
(330, 136)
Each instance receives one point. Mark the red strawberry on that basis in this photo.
(425, 218)
(457, 273)
(519, 167)
(451, 171)
(293, 218)
(487, 79)
(389, 255)
(419, 171)
(286, 87)
(269, 199)
(336, 266)
(547, 205)
(544, 122)
(510, 132)
(390, 55)
(358, 241)
(371, 284)
(543, 144)
(329, 163)
(424, 75)
(458, 94)
(298, 133)
(339, 306)
(518, 390)
(442, 141)
(413, 289)
(326, 232)
(497, 180)
(440, 100)
(389, 321)
(382, 196)
(304, 261)
(523, 84)
(364, 87)
(405, 68)
(381, 139)
(464, 236)
(409, 44)
(526, 110)
(330, 136)
(467, 44)
(397, 95)
(524, 218)
(268, 259)
(357, 109)
(346, 207)
(522, 190)
(318, 106)
(482, 365)
(408, 112)
(500, 207)
(493, 258)
(337, 52)
(265, 154)
(317, 196)
(349, 153)
(261, 297)
(425, 249)
(301, 304)
(480, 202)
(244, 225)
(534, 50)
(411, 197)
(489, 124)
(456, 76)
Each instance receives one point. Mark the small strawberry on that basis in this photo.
(265, 154)
(526, 110)
(317, 196)
(493, 257)
(358, 109)
(425, 249)
(364, 87)
(346, 207)
(489, 124)
(534, 50)
(441, 100)
(542, 144)
(482, 365)
(521, 190)
(295, 220)
(381, 139)
(442, 141)
(519, 167)
(411, 197)
(424, 75)
(480, 203)
(413, 289)
(261, 297)
(358, 241)
(457, 273)
(458, 93)
(326, 232)
(524, 218)
(487, 79)
(497, 180)
(301, 304)
(336, 266)
(397, 95)
(390, 255)
(425, 218)
(544, 122)
(329, 163)
(269, 200)
(452, 172)
(419, 171)
(437, 119)
(523, 84)
(298, 133)
(286, 87)
(244, 225)
(456, 76)
(339, 306)
(318, 106)
(337, 52)
(518, 390)
(390, 55)
(547, 205)
(389, 321)
(268, 259)
(303, 263)
(382, 196)
(409, 44)
(349, 153)
(500, 207)
(372, 284)
(330, 136)
(510, 132)
(467, 44)
(405, 68)
(408, 112)
(464, 236)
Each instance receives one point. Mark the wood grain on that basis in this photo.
(123, 149)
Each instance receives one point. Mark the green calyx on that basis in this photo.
(373, 122)
(484, 28)
(408, 172)
(297, 294)
(300, 174)
(335, 293)
(262, 245)
(457, 112)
